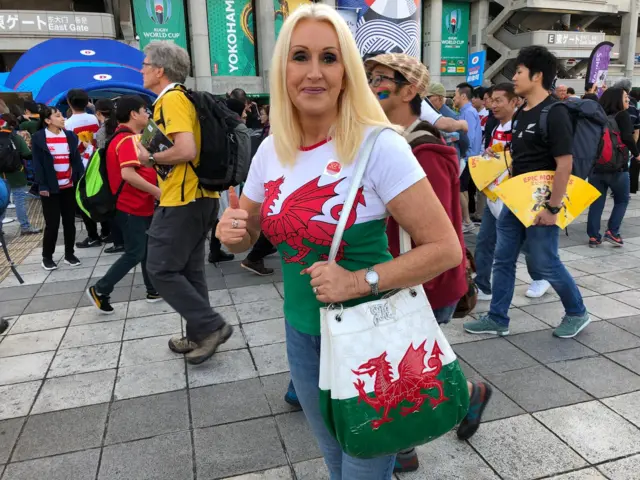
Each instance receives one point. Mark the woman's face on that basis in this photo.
(315, 71)
(56, 120)
(625, 99)
(101, 118)
(264, 117)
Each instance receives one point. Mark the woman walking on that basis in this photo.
(615, 102)
(322, 111)
(58, 168)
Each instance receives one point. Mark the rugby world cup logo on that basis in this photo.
(159, 11)
(453, 21)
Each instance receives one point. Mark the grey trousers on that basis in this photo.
(175, 263)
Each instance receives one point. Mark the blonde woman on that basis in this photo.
(321, 111)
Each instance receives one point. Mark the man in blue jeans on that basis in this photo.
(536, 69)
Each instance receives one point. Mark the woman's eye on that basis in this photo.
(329, 58)
(299, 57)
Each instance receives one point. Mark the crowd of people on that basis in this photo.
(324, 101)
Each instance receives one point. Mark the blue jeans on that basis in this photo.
(443, 315)
(303, 352)
(485, 251)
(619, 184)
(543, 261)
(19, 195)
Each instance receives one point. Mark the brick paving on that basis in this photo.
(91, 397)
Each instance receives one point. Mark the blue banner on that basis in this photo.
(475, 72)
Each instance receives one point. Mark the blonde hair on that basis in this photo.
(358, 107)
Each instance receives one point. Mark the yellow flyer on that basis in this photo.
(526, 195)
(490, 191)
(486, 168)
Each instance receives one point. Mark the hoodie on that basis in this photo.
(440, 163)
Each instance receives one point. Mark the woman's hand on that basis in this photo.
(331, 283)
(44, 193)
(232, 227)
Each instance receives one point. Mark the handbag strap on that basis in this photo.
(361, 166)
(405, 241)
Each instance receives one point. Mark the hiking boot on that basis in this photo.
(4, 324)
(208, 346)
(480, 396)
(101, 302)
(256, 267)
(485, 325)
(220, 256)
(613, 239)
(594, 242)
(537, 288)
(572, 326)
(153, 297)
(181, 345)
(30, 231)
(48, 264)
(406, 461)
(114, 249)
(72, 260)
(89, 242)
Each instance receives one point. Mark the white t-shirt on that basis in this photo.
(301, 206)
(428, 113)
(501, 135)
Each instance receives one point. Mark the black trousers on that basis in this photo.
(92, 227)
(56, 206)
(634, 173)
(261, 249)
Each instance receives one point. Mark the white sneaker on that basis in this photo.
(483, 297)
(11, 206)
(537, 289)
(468, 228)
(8, 220)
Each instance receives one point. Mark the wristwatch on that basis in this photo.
(372, 278)
(152, 160)
(553, 210)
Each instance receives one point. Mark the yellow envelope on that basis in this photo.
(485, 168)
(525, 195)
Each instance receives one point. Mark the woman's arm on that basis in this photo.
(626, 132)
(38, 167)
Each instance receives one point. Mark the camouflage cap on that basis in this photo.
(410, 67)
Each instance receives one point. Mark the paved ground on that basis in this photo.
(85, 396)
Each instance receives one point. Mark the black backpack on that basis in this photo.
(225, 150)
(10, 160)
(93, 193)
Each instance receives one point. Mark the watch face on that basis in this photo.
(371, 277)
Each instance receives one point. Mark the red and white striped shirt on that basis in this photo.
(59, 148)
(501, 134)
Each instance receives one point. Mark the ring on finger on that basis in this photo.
(234, 223)
(315, 290)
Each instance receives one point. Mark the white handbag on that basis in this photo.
(389, 380)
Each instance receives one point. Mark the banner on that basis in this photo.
(231, 37)
(387, 25)
(282, 9)
(160, 20)
(351, 18)
(598, 66)
(475, 74)
(455, 38)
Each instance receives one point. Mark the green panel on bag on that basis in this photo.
(79, 197)
(93, 179)
(350, 420)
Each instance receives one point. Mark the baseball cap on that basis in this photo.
(436, 89)
(410, 67)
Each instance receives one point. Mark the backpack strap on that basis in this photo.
(542, 125)
(106, 148)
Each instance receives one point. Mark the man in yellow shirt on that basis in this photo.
(176, 246)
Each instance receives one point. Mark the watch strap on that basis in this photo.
(374, 286)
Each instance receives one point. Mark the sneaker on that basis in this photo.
(101, 302)
(594, 242)
(256, 267)
(30, 231)
(208, 346)
(4, 324)
(11, 206)
(114, 249)
(72, 260)
(105, 238)
(8, 220)
(292, 399)
(220, 256)
(406, 461)
(153, 297)
(613, 239)
(537, 288)
(485, 325)
(48, 264)
(468, 228)
(484, 297)
(480, 396)
(182, 345)
(89, 242)
(572, 326)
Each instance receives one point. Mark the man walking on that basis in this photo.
(136, 190)
(536, 69)
(178, 232)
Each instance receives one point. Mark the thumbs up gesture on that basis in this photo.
(232, 226)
